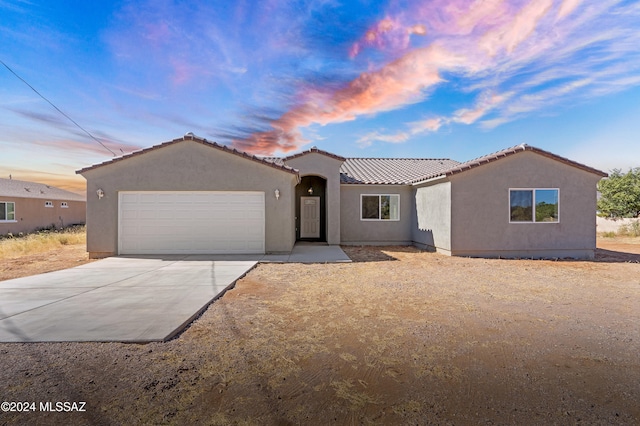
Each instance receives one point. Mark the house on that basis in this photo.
(190, 195)
(28, 206)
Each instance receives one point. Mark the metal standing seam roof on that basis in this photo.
(22, 189)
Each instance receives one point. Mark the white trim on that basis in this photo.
(64, 205)
(14, 220)
(533, 206)
(48, 204)
(379, 207)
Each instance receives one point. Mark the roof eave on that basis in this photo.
(472, 164)
(316, 151)
(202, 141)
(429, 179)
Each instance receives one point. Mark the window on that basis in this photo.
(48, 203)
(380, 207)
(7, 211)
(64, 205)
(533, 205)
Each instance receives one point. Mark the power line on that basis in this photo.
(57, 109)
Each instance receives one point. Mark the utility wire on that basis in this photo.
(57, 109)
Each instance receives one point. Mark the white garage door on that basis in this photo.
(191, 222)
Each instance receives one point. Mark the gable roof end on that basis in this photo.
(191, 137)
(490, 158)
(313, 149)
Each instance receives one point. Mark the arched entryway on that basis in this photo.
(311, 209)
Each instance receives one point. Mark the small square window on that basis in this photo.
(64, 205)
(48, 203)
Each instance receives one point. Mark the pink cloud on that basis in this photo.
(567, 7)
(486, 102)
(509, 35)
(429, 125)
(389, 34)
(511, 47)
(400, 82)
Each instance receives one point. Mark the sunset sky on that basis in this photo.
(443, 78)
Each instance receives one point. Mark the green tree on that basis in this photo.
(620, 194)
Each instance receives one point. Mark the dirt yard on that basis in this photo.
(397, 337)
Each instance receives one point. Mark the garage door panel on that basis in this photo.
(191, 222)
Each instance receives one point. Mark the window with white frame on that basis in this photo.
(534, 205)
(64, 205)
(379, 207)
(7, 211)
(48, 203)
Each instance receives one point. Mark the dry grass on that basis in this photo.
(40, 242)
(629, 230)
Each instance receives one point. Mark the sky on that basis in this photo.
(432, 79)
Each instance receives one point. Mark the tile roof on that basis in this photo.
(23, 189)
(489, 158)
(191, 137)
(381, 171)
(394, 171)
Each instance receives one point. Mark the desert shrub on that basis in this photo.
(630, 230)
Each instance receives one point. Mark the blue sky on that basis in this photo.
(441, 78)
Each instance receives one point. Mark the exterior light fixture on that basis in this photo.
(310, 190)
(100, 193)
(277, 193)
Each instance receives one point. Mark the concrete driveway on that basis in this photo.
(116, 299)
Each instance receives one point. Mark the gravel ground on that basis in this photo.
(397, 337)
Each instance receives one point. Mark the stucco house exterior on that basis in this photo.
(190, 195)
(28, 206)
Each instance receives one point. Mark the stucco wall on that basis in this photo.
(315, 164)
(480, 210)
(357, 231)
(187, 166)
(431, 224)
(32, 214)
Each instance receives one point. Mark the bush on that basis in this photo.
(630, 230)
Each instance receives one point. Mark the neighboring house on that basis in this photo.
(194, 196)
(28, 206)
